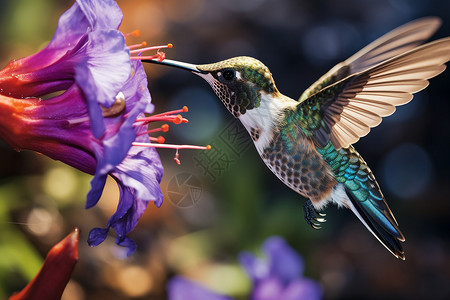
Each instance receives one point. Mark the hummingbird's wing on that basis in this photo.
(396, 42)
(346, 110)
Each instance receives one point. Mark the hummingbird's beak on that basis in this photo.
(176, 64)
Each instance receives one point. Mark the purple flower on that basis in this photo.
(91, 125)
(86, 48)
(276, 276)
(180, 288)
(279, 274)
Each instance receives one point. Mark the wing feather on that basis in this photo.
(351, 107)
(384, 98)
(371, 109)
(409, 86)
(395, 42)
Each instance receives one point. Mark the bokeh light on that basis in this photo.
(203, 115)
(407, 171)
(60, 183)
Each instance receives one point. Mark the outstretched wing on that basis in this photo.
(345, 111)
(396, 42)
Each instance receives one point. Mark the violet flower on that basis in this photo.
(276, 276)
(279, 275)
(86, 49)
(92, 115)
(180, 288)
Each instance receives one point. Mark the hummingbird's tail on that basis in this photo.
(380, 222)
(359, 191)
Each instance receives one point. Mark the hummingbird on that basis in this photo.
(308, 143)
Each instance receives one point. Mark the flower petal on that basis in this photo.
(255, 267)
(268, 289)
(137, 89)
(117, 146)
(97, 185)
(102, 72)
(142, 171)
(84, 16)
(180, 288)
(138, 177)
(302, 289)
(104, 14)
(285, 263)
(138, 100)
(97, 236)
(125, 241)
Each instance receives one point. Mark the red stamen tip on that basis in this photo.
(169, 45)
(161, 139)
(185, 109)
(208, 147)
(144, 43)
(136, 33)
(165, 127)
(178, 119)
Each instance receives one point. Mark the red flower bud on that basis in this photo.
(50, 282)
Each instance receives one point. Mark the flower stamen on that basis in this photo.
(138, 49)
(184, 109)
(159, 54)
(151, 48)
(172, 146)
(159, 141)
(136, 33)
(178, 119)
(135, 46)
(163, 128)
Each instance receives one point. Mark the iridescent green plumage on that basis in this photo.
(351, 170)
(310, 113)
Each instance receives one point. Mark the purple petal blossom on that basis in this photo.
(92, 51)
(279, 274)
(276, 276)
(180, 288)
(89, 61)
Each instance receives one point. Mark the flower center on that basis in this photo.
(116, 109)
(108, 112)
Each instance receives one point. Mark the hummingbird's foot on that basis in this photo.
(312, 216)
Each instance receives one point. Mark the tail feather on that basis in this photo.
(358, 190)
(380, 223)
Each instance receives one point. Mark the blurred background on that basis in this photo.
(221, 202)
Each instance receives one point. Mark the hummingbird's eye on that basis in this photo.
(229, 74)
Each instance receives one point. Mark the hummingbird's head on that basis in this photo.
(239, 82)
